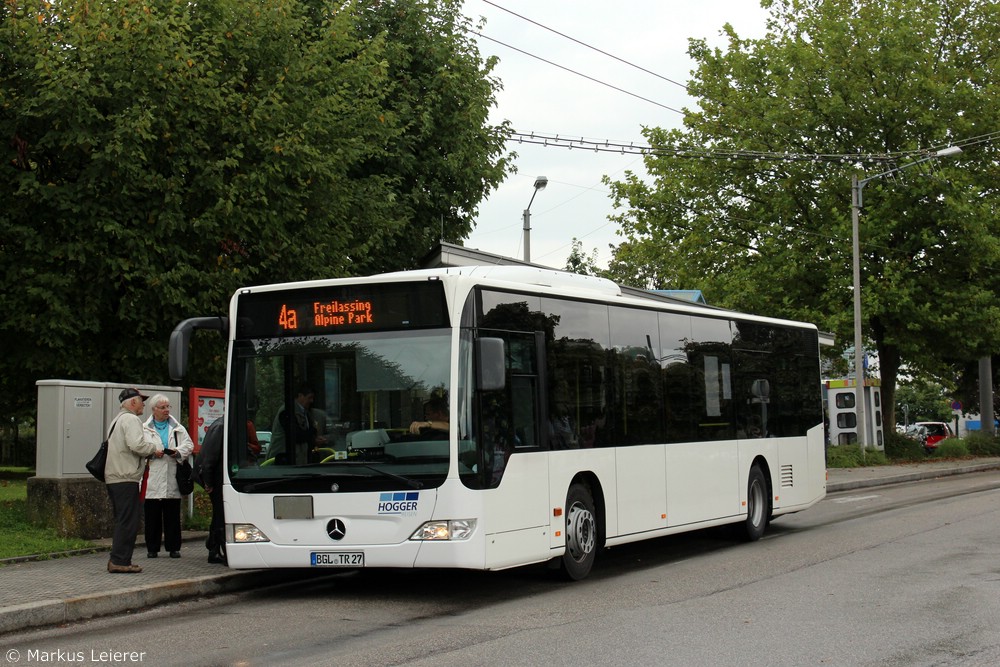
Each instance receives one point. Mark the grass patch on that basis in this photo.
(19, 537)
(982, 444)
(202, 516)
(849, 456)
(950, 448)
(901, 449)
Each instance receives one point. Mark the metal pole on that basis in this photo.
(986, 395)
(859, 353)
(527, 231)
(540, 184)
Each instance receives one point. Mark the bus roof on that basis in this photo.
(514, 277)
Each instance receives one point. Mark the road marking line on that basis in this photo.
(854, 499)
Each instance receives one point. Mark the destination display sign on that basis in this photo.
(341, 309)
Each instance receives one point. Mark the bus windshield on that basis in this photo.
(365, 411)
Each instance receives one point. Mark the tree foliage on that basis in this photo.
(922, 400)
(579, 262)
(836, 88)
(446, 158)
(158, 155)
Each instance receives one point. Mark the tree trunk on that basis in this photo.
(888, 363)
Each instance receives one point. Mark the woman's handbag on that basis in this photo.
(96, 465)
(185, 481)
(185, 478)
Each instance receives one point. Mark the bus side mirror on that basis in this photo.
(180, 339)
(492, 369)
(178, 351)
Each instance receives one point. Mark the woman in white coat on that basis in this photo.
(162, 506)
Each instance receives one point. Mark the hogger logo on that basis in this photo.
(398, 502)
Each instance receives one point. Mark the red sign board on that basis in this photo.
(204, 407)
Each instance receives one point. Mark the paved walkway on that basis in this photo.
(63, 590)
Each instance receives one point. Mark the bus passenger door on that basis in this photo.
(516, 503)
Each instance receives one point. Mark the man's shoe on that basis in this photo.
(175, 554)
(216, 558)
(152, 554)
(123, 569)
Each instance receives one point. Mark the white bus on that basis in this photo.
(494, 417)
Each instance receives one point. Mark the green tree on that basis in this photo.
(835, 88)
(159, 155)
(579, 262)
(966, 380)
(922, 400)
(447, 157)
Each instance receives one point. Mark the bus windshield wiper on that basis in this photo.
(412, 483)
(285, 478)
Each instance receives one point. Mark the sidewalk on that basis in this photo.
(77, 587)
(64, 590)
(846, 479)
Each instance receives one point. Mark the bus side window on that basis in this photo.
(510, 414)
(497, 433)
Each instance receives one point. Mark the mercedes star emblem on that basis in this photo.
(336, 529)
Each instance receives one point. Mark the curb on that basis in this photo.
(52, 556)
(833, 487)
(100, 546)
(58, 612)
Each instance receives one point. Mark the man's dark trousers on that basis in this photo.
(126, 509)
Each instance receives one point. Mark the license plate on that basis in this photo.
(337, 559)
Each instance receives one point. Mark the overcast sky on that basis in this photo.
(543, 98)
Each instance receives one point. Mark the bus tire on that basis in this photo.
(581, 533)
(758, 507)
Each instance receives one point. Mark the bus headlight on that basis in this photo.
(455, 529)
(247, 532)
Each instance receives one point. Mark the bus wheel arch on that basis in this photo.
(585, 526)
(758, 501)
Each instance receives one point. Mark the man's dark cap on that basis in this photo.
(131, 392)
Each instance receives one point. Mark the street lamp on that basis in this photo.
(859, 372)
(540, 184)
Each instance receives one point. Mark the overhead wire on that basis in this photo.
(580, 74)
(609, 146)
(565, 141)
(634, 148)
(748, 155)
(584, 44)
(976, 141)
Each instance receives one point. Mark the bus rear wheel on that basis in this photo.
(581, 533)
(758, 507)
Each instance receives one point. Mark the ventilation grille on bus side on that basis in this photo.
(787, 478)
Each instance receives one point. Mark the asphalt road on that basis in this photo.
(900, 575)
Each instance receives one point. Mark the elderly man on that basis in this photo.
(127, 452)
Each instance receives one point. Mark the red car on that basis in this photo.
(936, 432)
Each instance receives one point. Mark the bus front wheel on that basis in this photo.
(758, 507)
(581, 533)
